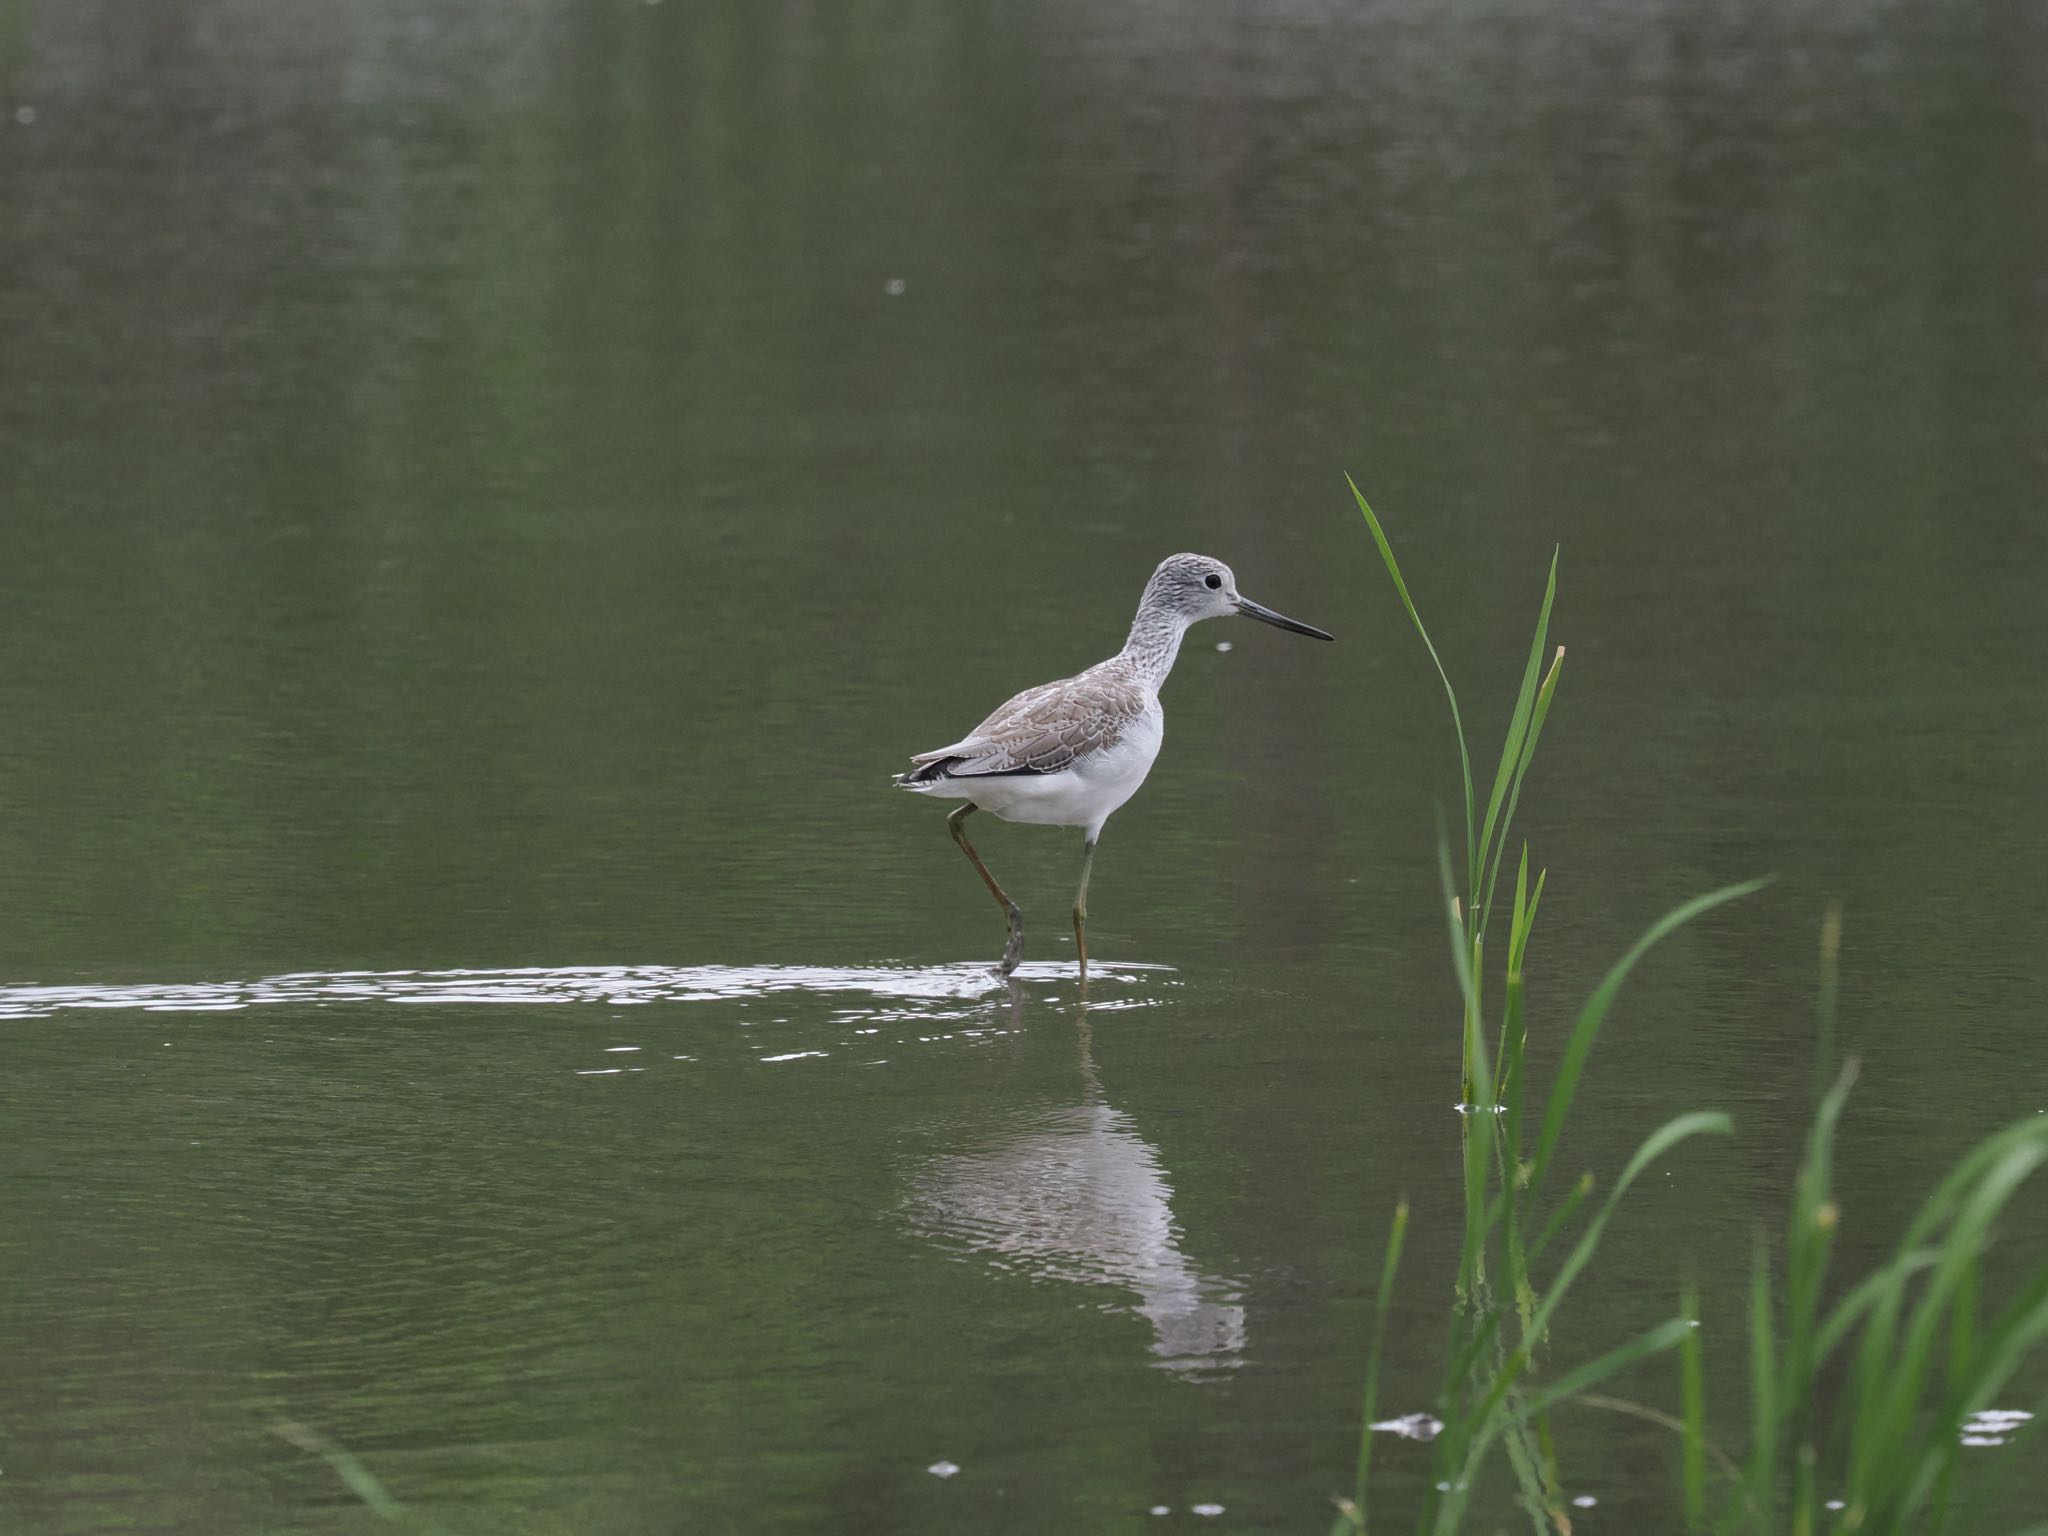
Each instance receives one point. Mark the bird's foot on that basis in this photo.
(1013, 952)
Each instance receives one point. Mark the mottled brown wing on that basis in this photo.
(1043, 730)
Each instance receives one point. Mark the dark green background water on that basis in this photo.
(470, 499)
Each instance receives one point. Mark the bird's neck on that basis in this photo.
(1153, 644)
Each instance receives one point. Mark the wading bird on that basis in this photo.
(1067, 754)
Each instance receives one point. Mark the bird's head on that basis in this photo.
(1196, 587)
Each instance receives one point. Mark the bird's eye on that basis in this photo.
(1212, 581)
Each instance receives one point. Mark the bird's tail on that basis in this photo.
(924, 775)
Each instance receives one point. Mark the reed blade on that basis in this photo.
(1388, 1268)
(1666, 1335)
(1520, 746)
(1587, 1028)
(1379, 537)
(1692, 1393)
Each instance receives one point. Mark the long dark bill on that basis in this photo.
(1252, 610)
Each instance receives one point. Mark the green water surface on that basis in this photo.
(489, 491)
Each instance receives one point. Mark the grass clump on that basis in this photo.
(1918, 1356)
(1508, 1289)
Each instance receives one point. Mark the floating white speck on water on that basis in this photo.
(1992, 1426)
(1585, 1501)
(1222, 645)
(1162, 1509)
(1206, 1509)
(894, 287)
(794, 1055)
(1410, 1426)
(1835, 1504)
(613, 1050)
(942, 1469)
(599, 1071)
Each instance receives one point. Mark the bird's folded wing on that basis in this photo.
(1043, 730)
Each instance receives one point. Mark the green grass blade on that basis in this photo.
(1493, 1423)
(1517, 749)
(1518, 720)
(1587, 1028)
(2019, 1331)
(1476, 1138)
(1511, 1010)
(1542, 713)
(1808, 1244)
(1888, 1386)
(1824, 1007)
(1721, 1459)
(1884, 1432)
(1379, 537)
(1655, 1145)
(1514, 1036)
(1806, 1504)
(1851, 1309)
(1523, 917)
(1571, 1202)
(1485, 1327)
(1880, 1301)
(1392, 1263)
(1692, 1393)
(1763, 1370)
(1939, 1207)
(1536, 896)
(1666, 1335)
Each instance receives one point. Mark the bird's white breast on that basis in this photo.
(1085, 794)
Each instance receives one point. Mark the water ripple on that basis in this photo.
(615, 986)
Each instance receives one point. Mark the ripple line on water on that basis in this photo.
(614, 986)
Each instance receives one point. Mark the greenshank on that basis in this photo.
(1067, 754)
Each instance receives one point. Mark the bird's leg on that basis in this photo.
(1013, 951)
(1081, 908)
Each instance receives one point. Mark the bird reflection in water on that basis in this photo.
(1075, 1193)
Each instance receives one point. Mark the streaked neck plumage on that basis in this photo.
(1154, 642)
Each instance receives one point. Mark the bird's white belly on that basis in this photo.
(1083, 795)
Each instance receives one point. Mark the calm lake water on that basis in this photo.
(488, 491)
